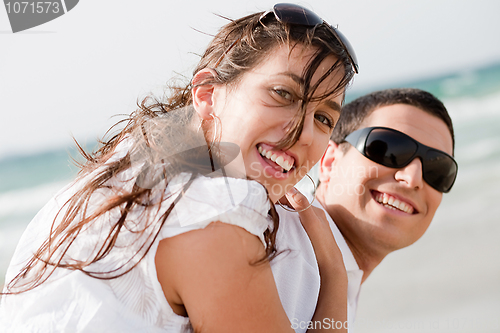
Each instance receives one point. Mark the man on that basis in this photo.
(379, 187)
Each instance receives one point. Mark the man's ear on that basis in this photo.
(326, 162)
(203, 93)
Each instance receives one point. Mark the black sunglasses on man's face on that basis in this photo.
(394, 149)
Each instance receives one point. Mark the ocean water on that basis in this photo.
(26, 184)
(449, 281)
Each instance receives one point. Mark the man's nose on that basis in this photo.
(411, 175)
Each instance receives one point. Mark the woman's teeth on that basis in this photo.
(276, 159)
(391, 202)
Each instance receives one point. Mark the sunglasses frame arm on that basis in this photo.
(346, 45)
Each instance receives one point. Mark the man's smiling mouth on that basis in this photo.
(391, 202)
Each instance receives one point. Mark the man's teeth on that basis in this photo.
(276, 159)
(393, 203)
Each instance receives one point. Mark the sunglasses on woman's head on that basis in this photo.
(394, 149)
(288, 13)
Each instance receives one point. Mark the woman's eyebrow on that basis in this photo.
(298, 79)
(333, 105)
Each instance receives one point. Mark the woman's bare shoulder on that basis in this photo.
(213, 275)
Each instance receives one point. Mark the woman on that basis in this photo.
(170, 225)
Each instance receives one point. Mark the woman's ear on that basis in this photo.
(203, 92)
(326, 162)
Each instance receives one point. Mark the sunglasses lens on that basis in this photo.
(439, 171)
(293, 14)
(389, 148)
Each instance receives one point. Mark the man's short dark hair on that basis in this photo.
(356, 111)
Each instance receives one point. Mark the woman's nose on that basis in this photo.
(307, 134)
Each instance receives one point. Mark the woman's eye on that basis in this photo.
(284, 94)
(324, 120)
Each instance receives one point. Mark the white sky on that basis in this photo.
(69, 76)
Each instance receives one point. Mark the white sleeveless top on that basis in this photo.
(71, 301)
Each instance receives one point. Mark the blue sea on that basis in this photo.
(449, 281)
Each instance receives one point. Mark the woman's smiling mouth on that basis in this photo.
(279, 160)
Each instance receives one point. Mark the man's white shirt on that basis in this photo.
(297, 276)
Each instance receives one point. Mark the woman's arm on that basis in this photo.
(331, 309)
(208, 275)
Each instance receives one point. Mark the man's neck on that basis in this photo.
(366, 258)
(366, 261)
